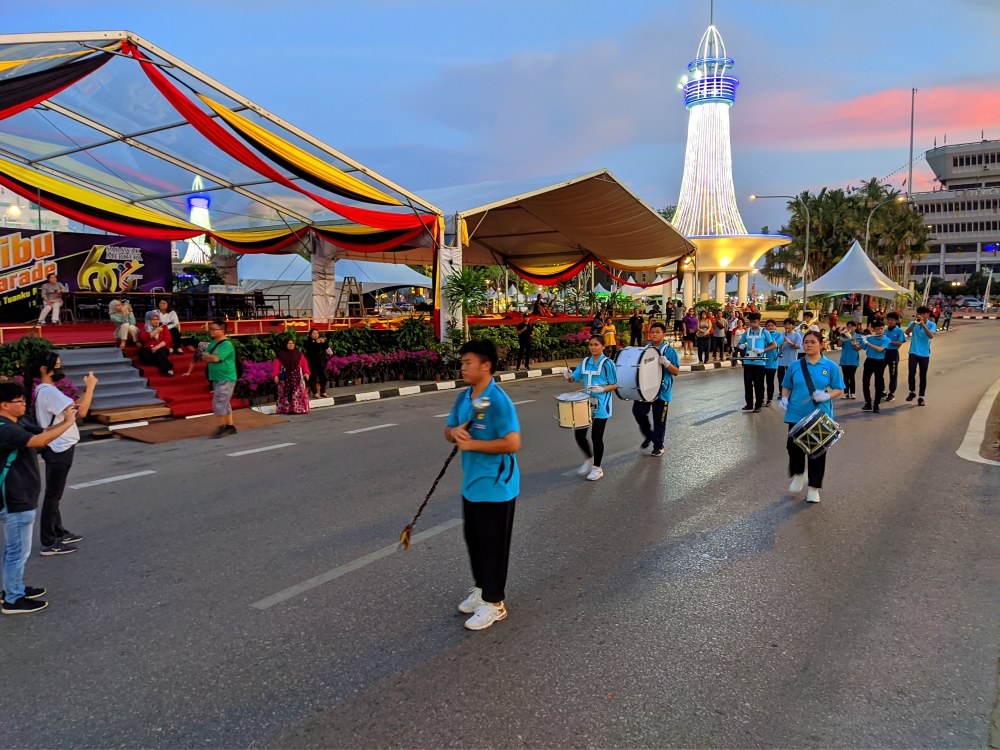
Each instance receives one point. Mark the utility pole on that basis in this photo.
(913, 102)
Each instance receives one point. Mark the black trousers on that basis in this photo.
(160, 358)
(600, 423)
(914, 362)
(797, 463)
(849, 372)
(175, 337)
(657, 433)
(704, 347)
(769, 374)
(57, 466)
(876, 368)
(782, 369)
(523, 352)
(488, 527)
(635, 339)
(892, 367)
(718, 346)
(753, 385)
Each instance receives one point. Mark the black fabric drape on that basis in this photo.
(21, 92)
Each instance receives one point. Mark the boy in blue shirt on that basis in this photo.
(771, 359)
(850, 360)
(922, 331)
(671, 364)
(874, 346)
(896, 338)
(791, 345)
(757, 343)
(490, 480)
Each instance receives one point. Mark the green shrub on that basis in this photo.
(15, 356)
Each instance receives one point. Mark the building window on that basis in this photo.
(975, 205)
(994, 227)
(951, 207)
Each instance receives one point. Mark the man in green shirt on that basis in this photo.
(221, 358)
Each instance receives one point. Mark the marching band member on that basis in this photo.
(758, 341)
(875, 346)
(771, 359)
(491, 481)
(640, 409)
(798, 401)
(896, 338)
(922, 331)
(601, 378)
(791, 344)
(850, 359)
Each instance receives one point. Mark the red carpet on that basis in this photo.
(62, 335)
(184, 396)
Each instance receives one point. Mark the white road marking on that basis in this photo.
(438, 416)
(346, 568)
(261, 450)
(368, 429)
(974, 435)
(199, 416)
(127, 425)
(111, 479)
(526, 401)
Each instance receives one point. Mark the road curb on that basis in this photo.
(975, 317)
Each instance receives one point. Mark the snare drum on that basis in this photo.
(639, 373)
(574, 410)
(816, 433)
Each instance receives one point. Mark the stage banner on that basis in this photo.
(82, 262)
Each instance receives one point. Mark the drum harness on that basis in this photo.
(590, 377)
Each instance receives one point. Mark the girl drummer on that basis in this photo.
(598, 374)
(799, 401)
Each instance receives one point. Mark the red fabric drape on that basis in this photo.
(390, 243)
(620, 280)
(23, 92)
(231, 145)
(552, 279)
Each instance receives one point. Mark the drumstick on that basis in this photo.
(479, 406)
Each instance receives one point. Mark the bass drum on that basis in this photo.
(639, 373)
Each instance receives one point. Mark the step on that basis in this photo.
(119, 402)
(92, 356)
(129, 414)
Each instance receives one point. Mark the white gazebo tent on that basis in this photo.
(763, 285)
(854, 274)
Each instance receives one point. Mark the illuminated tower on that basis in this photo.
(198, 249)
(706, 209)
(707, 203)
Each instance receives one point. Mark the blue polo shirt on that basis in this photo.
(825, 374)
(898, 335)
(488, 478)
(667, 386)
(882, 340)
(849, 356)
(601, 372)
(771, 361)
(919, 343)
(788, 353)
(759, 340)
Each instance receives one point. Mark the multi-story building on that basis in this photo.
(964, 215)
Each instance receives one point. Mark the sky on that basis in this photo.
(439, 93)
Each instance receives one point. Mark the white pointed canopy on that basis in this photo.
(854, 274)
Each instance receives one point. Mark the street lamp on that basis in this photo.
(805, 258)
(868, 224)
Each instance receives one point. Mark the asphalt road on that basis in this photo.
(686, 601)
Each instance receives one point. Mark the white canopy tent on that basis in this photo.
(292, 275)
(854, 274)
(599, 289)
(763, 285)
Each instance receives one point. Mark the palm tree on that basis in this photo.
(466, 292)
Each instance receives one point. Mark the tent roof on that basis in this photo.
(763, 285)
(114, 133)
(854, 274)
(545, 225)
(296, 269)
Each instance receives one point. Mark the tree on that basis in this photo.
(667, 212)
(465, 291)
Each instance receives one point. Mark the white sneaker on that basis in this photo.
(473, 600)
(585, 469)
(486, 614)
(812, 496)
(798, 483)
(596, 473)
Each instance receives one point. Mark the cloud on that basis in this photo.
(794, 121)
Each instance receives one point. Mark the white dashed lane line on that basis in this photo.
(261, 450)
(111, 479)
(369, 429)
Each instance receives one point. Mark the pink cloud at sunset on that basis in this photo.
(878, 120)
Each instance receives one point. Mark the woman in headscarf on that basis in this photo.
(317, 355)
(291, 371)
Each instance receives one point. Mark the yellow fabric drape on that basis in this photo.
(464, 232)
(300, 159)
(8, 64)
(69, 191)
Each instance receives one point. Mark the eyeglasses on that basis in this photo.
(16, 401)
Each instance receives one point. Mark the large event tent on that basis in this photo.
(854, 274)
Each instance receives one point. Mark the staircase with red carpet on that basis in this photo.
(185, 396)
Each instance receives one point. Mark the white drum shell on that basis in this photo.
(640, 374)
(574, 410)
